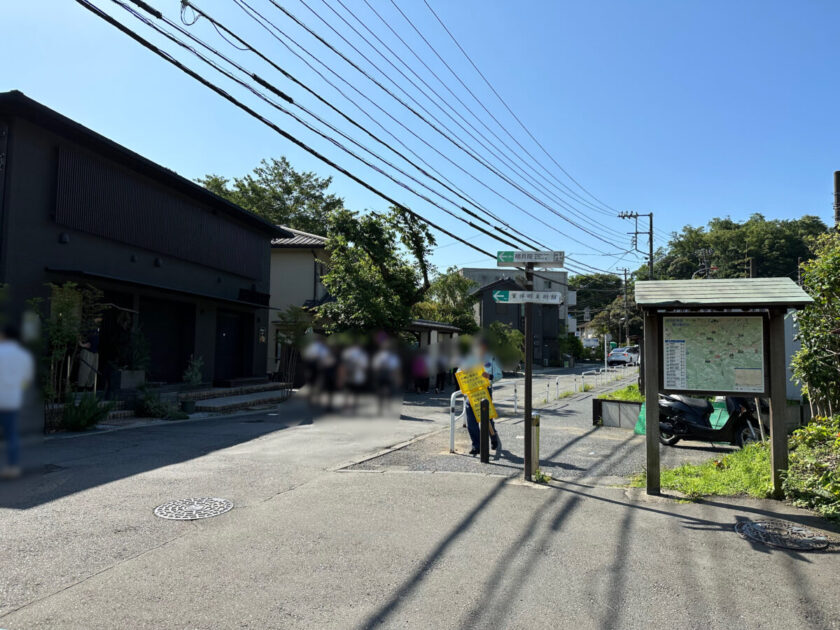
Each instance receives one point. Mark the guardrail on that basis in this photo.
(457, 395)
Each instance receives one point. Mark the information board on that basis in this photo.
(714, 354)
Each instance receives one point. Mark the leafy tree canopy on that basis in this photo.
(280, 194)
(595, 291)
(775, 247)
(378, 270)
(449, 300)
(817, 364)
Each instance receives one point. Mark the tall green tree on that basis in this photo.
(449, 300)
(775, 248)
(280, 194)
(594, 291)
(817, 364)
(378, 270)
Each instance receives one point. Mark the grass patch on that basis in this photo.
(587, 387)
(630, 393)
(744, 472)
(565, 394)
(540, 477)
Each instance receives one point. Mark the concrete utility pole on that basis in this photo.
(626, 312)
(529, 361)
(635, 233)
(837, 199)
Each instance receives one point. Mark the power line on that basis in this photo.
(567, 191)
(353, 64)
(441, 100)
(224, 94)
(262, 20)
(609, 209)
(282, 109)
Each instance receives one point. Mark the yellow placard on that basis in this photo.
(471, 380)
(474, 386)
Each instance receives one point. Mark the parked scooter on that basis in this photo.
(684, 418)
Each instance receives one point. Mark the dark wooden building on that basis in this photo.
(191, 267)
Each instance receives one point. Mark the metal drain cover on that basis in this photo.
(782, 535)
(194, 508)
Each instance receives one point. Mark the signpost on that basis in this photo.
(513, 258)
(524, 297)
(529, 297)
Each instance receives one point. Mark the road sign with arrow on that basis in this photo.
(512, 258)
(522, 297)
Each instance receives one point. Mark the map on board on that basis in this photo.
(713, 354)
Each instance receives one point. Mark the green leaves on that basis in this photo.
(378, 270)
(817, 364)
(280, 194)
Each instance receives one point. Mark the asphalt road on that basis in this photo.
(315, 542)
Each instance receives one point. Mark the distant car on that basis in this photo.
(628, 355)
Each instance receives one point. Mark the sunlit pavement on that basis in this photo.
(313, 542)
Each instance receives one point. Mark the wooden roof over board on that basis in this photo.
(724, 293)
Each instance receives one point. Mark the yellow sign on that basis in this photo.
(474, 386)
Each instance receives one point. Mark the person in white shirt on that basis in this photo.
(17, 370)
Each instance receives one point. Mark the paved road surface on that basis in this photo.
(313, 543)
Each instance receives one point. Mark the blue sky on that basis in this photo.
(690, 110)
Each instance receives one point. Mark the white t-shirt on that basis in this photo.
(17, 370)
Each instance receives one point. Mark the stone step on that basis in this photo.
(243, 401)
(223, 392)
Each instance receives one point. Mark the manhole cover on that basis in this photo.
(782, 535)
(192, 509)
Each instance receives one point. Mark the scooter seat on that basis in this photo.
(700, 405)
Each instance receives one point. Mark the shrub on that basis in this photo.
(150, 405)
(813, 476)
(84, 413)
(192, 375)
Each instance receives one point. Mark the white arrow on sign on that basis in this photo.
(534, 297)
(512, 258)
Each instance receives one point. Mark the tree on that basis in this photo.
(449, 300)
(378, 270)
(594, 291)
(817, 364)
(610, 319)
(506, 343)
(774, 248)
(280, 194)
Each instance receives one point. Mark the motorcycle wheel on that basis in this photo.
(668, 439)
(746, 436)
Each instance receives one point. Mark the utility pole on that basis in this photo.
(626, 312)
(635, 216)
(837, 199)
(529, 361)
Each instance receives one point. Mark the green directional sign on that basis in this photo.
(521, 297)
(512, 258)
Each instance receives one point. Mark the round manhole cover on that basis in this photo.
(782, 535)
(194, 508)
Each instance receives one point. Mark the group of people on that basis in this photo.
(351, 365)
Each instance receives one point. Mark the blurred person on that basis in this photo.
(481, 355)
(328, 367)
(17, 370)
(387, 369)
(312, 356)
(89, 356)
(420, 372)
(355, 362)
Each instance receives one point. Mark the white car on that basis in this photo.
(628, 355)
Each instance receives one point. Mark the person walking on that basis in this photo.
(492, 372)
(17, 369)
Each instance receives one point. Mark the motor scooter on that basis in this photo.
(685, 418)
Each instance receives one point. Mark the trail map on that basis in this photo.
(713, 354)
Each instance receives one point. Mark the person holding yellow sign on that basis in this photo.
(475, 378)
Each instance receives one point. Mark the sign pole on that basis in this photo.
(529, 364)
